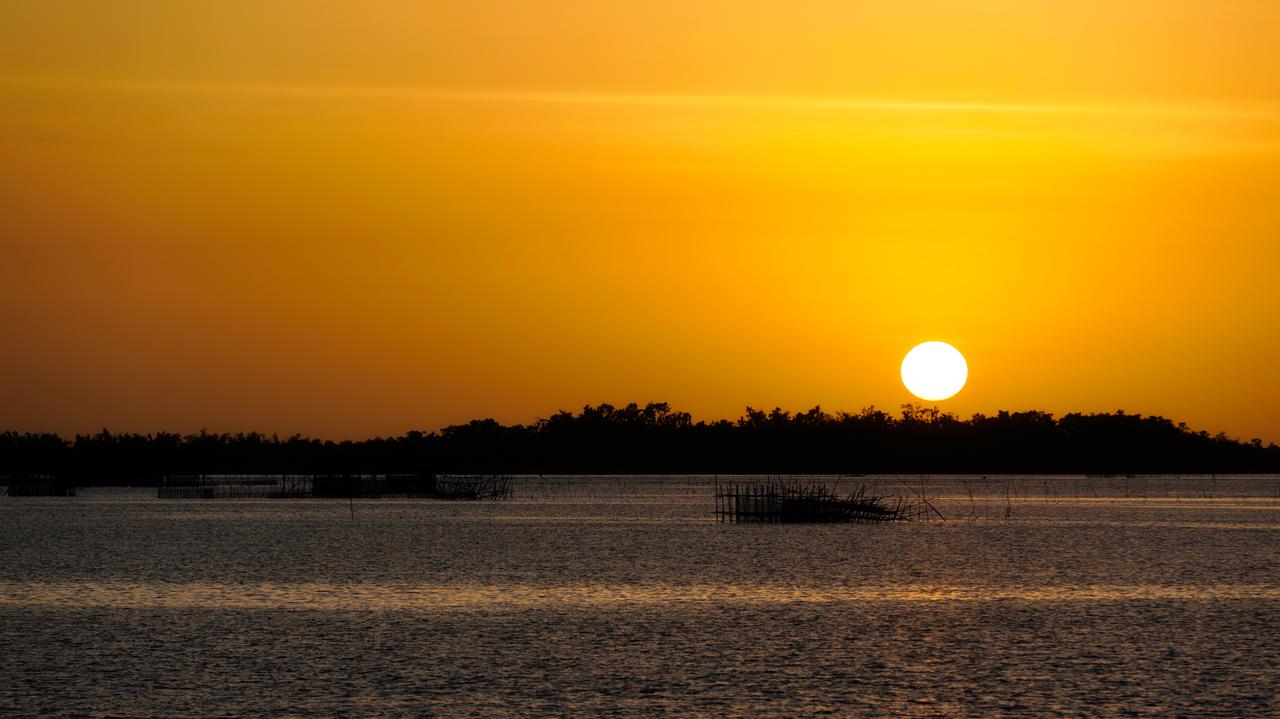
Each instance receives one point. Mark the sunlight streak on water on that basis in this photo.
(367, 597)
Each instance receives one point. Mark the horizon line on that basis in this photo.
(835, 414)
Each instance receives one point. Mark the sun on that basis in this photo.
(934, 370)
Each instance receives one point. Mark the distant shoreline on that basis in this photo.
(654, 439)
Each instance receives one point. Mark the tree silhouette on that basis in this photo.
(655, 439)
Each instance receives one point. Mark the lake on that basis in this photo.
(1048, 596)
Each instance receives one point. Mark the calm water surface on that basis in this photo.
(1065, 596)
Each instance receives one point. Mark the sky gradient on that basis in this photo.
(346, 220)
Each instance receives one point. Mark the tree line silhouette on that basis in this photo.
(655, 439)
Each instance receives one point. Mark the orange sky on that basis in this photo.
(346, 219)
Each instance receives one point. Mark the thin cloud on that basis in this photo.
(672, 100)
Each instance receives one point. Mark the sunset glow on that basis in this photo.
(357, 221)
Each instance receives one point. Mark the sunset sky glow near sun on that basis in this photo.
(348, 219)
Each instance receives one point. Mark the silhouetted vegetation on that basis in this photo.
(791, 501)
(654, 439)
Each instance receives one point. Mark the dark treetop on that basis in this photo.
(655, 439)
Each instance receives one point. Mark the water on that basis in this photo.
(1062, 596)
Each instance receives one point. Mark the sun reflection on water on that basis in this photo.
(389, 597)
